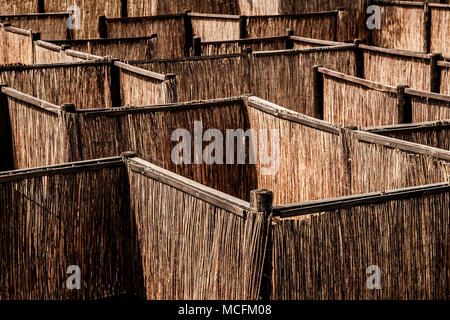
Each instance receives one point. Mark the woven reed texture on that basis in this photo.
(45, 56)
(50, 28)
(401, 28)
(440, 26)
(216, 29)
(138, 90)
(437, 137)
(298, 45)
(316, 26)
(376, 167)
(50, 223)
(192, 249)
(424, 110)
(311, 165)
(15, 48)
(206, 78)
(413, 72)
(150, 133)
(18, 7)
(136, 49)
(445, 80)
(325, 256)
(138, 8)
(287, 80)
(171, 42)
(38, 138)
(351, 104)
(210, 49)
(86, 86)
(90, 11)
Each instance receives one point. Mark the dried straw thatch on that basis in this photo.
(171, 31)
(138, 8)
(87, 85)
(402, 27)
(237, 46)
(325, 253)
(90, 11)
(73, 215)
(433, 134)
(216, 28)
(445, 79)
(16, 46)
(193, 248)
(352, 104)
(20, 7)
(425, 109)
(440, 26)
(51, 26)
(409, 69)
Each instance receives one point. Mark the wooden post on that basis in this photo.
(404, 106)
(68, 107)
(318, 92)
(7, 158)
(41, 6)
(261, 202)
(426, 28)
(242, 27)
(116, 99)
(435, 71)
(128, 155)
(124, 9)
(289, 41)
(34, 37)
(188, 32)
(359, 59)
(102, 27)
(197, 45)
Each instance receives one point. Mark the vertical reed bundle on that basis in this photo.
(216, 28)
(325, 255)
(140, 8)
(90, 11)
(316, 26)
(445, 79)
(51, 26)
(16, 46)
(424, 109)
(171, 42)
(18, 7)
(402, 28)
(193, 248)
(414, 72)
(440, 24)
(87, 85)
(59, 219)
(351, 104)
(237, 46)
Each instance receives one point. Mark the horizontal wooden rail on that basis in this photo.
(248, 40)
(48, 45)
(313, 207)
(358, 81)
(296, 15)
(431, 125)
(182, 106)
(11, 176)
(144, 18)
(427, 94)
(317, 41)
(402, 145)
(102, 40)
(292, 116)
(19, 31)
(213, 16)
(304, 51)
(83, 55)
(35, 15)
(31, 100)
(396, 52)
(143, 72)
(54, 65)
(398, 3)
(445, 64)
(212, 196)
(219, 56)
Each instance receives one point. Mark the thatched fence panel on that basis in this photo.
(172, 39)
(51, 26)
(429, 107)
(445, 77)
(214, 27)
(315, 25)
(220, 256)
(72, 215)
(90, 11)
(87, 84)
(402, 27)
(237, 46)
(351, 101)
(411, 69)
(325, 253)
(16, 45)
(434, 134)
(440, 26)
(141, 48)
(157, 7)
(20, 7)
